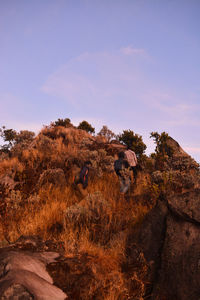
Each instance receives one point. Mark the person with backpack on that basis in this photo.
(82, 177)
(122, 170)
(132, 160)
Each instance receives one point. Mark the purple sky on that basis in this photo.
(127, 64)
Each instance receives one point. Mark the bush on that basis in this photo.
(24, 136)
(84, 125)
(162, 148)
(8, 135)
(62, 122)
(13, 137)
(133, 141)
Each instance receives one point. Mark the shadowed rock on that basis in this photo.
(169, 236)
(186, 205)
(179, 270)
(24, 272)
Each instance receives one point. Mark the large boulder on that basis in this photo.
(178, 276)
(186, 205)
(169, 235)
(24, 276)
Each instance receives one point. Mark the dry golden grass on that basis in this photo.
(105, 240)
(11, 164)
(105, 260)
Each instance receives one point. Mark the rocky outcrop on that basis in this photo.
(179, 270)
(35, 269)
(24, 275)
(169, 236)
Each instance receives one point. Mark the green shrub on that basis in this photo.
(62, 122)
(84, 125)
(133, 141)
(24, 136)
(162, 148)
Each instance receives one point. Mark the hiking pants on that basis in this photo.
(124, 184)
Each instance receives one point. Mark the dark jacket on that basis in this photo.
(83, 177)
(119, 165)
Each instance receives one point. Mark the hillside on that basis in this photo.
(141, 246)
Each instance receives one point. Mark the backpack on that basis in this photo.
(84, 174)
(118, 166)
(131, 158)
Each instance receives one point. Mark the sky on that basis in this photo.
(127, 64)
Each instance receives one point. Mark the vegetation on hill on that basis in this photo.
(38, 198)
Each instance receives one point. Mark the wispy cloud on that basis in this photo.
(102, 76)
(129, 50)
(116, 86)
(175, 109)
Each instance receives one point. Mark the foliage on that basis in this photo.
(105, 218)
(161, 184)
(62, 122)
(24, 135)
(107, 133)
(12, 137)
(160, 140)
(8, 135)
(133, 141)
(84, 125)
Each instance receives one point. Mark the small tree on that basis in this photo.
(62, 122)
(13, 137)
(133, 141)
(24, 136)
(107, 133)
(8, 135)
(84, 125)
(162, 148)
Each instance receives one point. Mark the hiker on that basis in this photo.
(132, 160)
(122, 170)
(82, 177)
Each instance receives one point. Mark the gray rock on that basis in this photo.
(186, 205)
(28, 270)
(179, 272)
(170, 240)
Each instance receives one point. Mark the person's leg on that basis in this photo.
(127, 185)
(122, 184)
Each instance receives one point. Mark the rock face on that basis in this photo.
(179, 274)
(24, 276)
(170, 234)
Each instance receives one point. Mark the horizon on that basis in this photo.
(125, 64)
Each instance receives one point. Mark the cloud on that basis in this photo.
(133, 51)
(103, 76)
(172, 108)
(117, 87)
